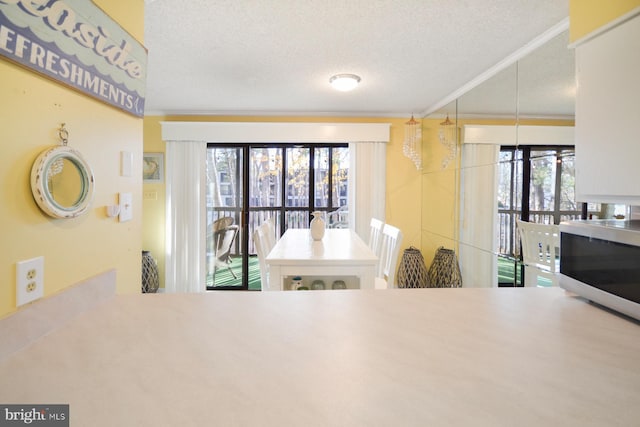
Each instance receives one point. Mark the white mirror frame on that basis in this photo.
(40, 187)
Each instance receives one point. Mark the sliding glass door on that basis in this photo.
(536, 184)
(225, 222)
(283, 183)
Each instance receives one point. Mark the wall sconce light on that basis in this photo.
(412, 145)
(448, 135)
(344, 82)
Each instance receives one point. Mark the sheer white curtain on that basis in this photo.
(367, 180)
(186, 216)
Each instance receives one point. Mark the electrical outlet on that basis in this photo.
(29, 280)
(150, 195)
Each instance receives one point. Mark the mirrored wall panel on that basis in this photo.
(474, 186)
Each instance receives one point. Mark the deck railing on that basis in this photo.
(294, 218)
(507, 239)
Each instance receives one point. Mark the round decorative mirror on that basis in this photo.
(62, 182)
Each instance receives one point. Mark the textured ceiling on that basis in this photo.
(275, 57)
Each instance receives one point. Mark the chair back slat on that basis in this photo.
(269, 233)
(540, 244)
(375, 235)
(260, 241)
(390, 247)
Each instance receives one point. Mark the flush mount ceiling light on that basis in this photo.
(344, 82)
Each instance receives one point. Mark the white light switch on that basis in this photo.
(126, 210)
(126, 163)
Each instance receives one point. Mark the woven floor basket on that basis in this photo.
(150, 277)
(412, 272)
(445, 271)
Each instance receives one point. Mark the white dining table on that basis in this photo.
(340, 253)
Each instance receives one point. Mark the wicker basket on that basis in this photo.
(412, 272)
(150, 276)
(445, 271)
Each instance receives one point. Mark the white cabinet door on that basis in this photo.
(608, 116)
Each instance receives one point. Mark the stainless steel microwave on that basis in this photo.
(600, 261)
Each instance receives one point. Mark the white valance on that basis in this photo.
(520, 135)
(265, 132)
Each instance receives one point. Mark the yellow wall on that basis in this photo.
(402, 193)
(153, 200)
(31, 110)
(586, 16)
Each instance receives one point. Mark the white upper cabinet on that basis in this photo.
(608, 115)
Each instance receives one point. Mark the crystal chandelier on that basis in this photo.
(448, 137)
(411, 147)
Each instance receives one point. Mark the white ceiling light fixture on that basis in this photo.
(344, 82)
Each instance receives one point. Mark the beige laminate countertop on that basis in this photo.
(404, 357)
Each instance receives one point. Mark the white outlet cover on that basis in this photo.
(126, 210)
(29, 280)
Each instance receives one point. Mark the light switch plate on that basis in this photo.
(29, 280)
(126, 210)
(126, 163)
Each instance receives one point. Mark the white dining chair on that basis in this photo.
(540, 245)
(269, 230)
(260, 241)
(390, 247)
(375, 235)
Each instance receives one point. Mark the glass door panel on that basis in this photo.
(542, 188)
(265, 200)
(509, 198)
(225, 263)
(566, 161)
(265, 180)
(321, 177)
(297, 188)
(340, 175)
(297, 176)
